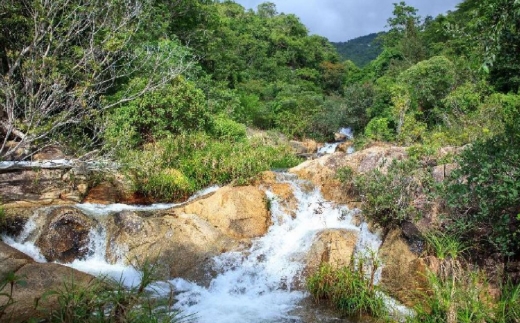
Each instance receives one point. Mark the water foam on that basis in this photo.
(260, 286)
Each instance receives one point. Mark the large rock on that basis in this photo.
(404, 273)
(65, 236)
(179, 243)
(284, 193)
(22, 187)
(322, 171)
(332, 246)
(306, 147)
(239, 212)
(39, 279)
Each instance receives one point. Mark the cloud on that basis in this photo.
(341, 20)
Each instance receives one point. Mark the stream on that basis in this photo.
(261, 284)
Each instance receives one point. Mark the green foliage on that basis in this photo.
(351, 289)
(378, 129)
(174, 168)
(429, 82)
(177, 108)
(107, 301)
(227, 129)
(461, 296)
(411, 130)
(487, 200)
(389, 197)
(360, 50)
(445, 245)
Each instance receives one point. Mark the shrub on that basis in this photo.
(378, 129)
(391, 198)
(176, 108)
(227, 129)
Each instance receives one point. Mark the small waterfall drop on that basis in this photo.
(262, 284)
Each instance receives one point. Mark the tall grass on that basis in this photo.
(351, 290)
(445, 245)
(176, 167)
(109, 301)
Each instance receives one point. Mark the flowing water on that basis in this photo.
(263, 284)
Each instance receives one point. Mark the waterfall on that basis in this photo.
(262, 284)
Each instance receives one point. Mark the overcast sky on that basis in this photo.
(341, 20)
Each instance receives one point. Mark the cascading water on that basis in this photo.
(259, 286)
(330, 148)
(262, 284)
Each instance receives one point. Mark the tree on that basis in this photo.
(405, 32)
(76, 52)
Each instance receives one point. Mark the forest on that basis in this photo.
(170, 89)
(361, 50)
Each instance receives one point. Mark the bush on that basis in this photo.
(391, 198)
(378, 129)
(178, 107)
(484, 194)
(227, 129)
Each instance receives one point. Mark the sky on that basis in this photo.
(341, 20)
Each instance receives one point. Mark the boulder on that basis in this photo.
(440, 172)
(322, 171)
(239, 212)
(65, 235)
(179, 243)
(49, 153)
(268, 181)
(331, 246)
(27, 187)
(119, 189)
(404, 273)
(39, 278)
(308, 146)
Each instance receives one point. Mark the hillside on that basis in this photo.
(360, 50)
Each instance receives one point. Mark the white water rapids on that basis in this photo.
(263, 284)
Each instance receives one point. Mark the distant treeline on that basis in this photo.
(360, 50)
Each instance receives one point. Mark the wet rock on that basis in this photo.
(332, 246)
(118, 189)
(338, 136)
(21, 188)
(179, 243)
(65, 236)
(11, 259)
(39, 278)
(239, 212)
(404, 273)
(307, 146)
(322, 171)
(267, 181)
(104, 193)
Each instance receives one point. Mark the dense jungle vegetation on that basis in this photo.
(170, 88)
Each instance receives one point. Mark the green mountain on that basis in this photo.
(360, 50)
